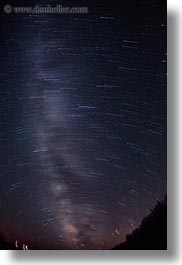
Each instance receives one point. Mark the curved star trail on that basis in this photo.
(83, 123)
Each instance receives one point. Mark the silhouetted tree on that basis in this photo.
(152, 233)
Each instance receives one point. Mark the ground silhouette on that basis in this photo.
(5, 245)
(151, 234)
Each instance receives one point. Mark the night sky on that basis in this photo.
(82, 122)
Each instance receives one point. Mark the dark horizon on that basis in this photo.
(83, 121)
(150, 235)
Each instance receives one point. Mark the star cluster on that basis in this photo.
(83, 122)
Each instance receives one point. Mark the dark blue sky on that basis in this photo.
(82, 122)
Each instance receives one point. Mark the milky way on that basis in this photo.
(82, 122)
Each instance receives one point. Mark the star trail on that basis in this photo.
(82, 122)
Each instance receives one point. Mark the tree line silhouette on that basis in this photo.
(151, 234)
